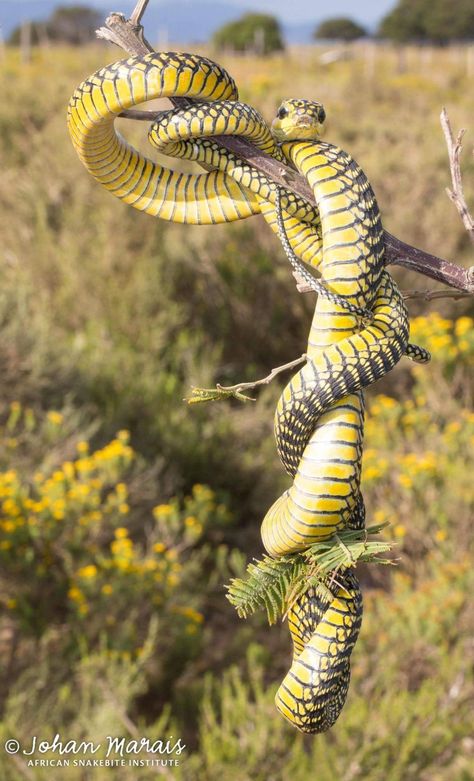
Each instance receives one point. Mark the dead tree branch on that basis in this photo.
(432, 295)
(456, 195)
(129, 35)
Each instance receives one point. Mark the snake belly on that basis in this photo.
(319, 418)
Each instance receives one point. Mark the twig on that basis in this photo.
(266, 380)
(456, 195)
(431, 295)
(130, 37)
(127, 33)
(221, 392)
(138, 12)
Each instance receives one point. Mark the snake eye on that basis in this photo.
(322, 115)
(282, 112)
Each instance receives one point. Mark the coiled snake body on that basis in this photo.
(319, 417)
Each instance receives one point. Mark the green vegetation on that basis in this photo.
(430, 20)
(124, 511)
(257, 33)
(340, 29)
(75, 25)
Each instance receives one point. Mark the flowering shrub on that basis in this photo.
(71, 551)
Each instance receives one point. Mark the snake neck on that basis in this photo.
(352, 234)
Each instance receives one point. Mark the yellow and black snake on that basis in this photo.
(359, 329)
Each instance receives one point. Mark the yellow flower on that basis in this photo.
(84, 465)
(162, 510)
(123, 508)
(56, 418)
(399, 530)
(189, 612)
(386, 401)
(68, 469)
(463, 325)
(158, 547)
(405, 481)
(59, 509)
(121, 533)
(440, 535)
(438, 342)
(371, 473)
(82, 447)
(75, 594)
(87, 573)
(10, 507)
(107, 589)
(453, 428)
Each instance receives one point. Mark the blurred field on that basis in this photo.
(124, 510)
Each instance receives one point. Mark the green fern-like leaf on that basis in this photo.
(267, 585)
(275, 584)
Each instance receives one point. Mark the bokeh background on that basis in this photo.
(123, 510)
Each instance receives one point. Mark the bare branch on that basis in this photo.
(431, 295)
(127, 33)
(130, 37)
(456, 195)
(221, 392)
(138, 12)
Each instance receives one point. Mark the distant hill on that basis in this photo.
(181, 21)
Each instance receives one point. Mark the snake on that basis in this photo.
(359, 329)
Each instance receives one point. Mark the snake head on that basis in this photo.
(298, 120)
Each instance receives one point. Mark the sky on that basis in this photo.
(367, 11)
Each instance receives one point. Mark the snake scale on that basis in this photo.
(359, 329)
